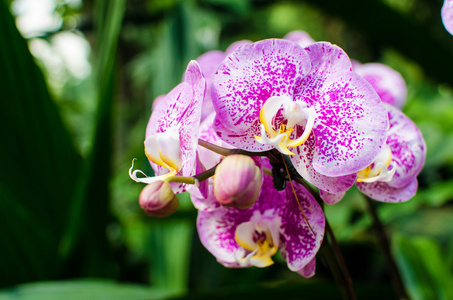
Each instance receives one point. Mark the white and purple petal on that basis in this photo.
(309, 269)
(236, 45)
(407, 145)
(331, 198)
(298, 244)
(447, 15)
(209, 62)
(388, 83)
(381, 191)
(296, 241)
(251, 75)
(243, 139)
(326, 60)
(303, 162)
(300, 37)
(181, 109)
(350, 127)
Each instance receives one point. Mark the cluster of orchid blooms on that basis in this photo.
(248, 128)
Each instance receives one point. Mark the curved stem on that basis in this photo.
(214, 148)
(338, 266)
(384, 243)
(225, 152)
(206, 174)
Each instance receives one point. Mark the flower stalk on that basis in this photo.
(384, 243)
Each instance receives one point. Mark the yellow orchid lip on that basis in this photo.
(379, 169)
(134, 175)
(261, 250)
(295, 113)
(164, 149)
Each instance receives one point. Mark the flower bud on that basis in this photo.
(158, 200)
(237, 181)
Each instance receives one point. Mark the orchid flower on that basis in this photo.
(172, 131)
(388, 83)
(250, 237)
(393, 176)
(447, 15)
(306, 103)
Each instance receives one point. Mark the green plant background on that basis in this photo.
(70, 224)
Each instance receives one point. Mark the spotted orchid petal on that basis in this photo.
(251, 75)
(298, 244)
(326, 60)
(407, 146)
(388, 83)
(381, 191)
(351, 119)
(309, 269)
(208, 63)
(303, 162)
(447, 15)
(331, 198)
(207, 133)
(351, 127)
(172, 131)
(203, 186)
(204, 202)
(236, 45)
(243, 140)
(241, 238)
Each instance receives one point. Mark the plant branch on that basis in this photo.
(384, 244)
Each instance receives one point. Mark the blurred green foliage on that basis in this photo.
(68, 209)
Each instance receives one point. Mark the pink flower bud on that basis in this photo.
(237, 181)
(158, 200)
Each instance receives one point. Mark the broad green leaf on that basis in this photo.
(90, 212)
(424, 268)
(39, 165)
(81, 290)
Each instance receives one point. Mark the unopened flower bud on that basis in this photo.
(158, 200)
(237, 181)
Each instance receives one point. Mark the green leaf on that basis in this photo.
(90, 212)
(82, 289)
(423, 268)
(39, 165)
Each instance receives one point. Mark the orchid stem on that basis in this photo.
(225, 152)
(206, 174)
(214, 148)
(384, 243)
(338, 265)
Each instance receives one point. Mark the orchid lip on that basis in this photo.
(164, 149)
(379, 169)
(147, 179)
(262, 248)
(296, 113)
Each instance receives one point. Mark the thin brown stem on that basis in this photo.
(345, 280)
(384, 244)
(206, 174)
(225, 152)
(214, 148)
